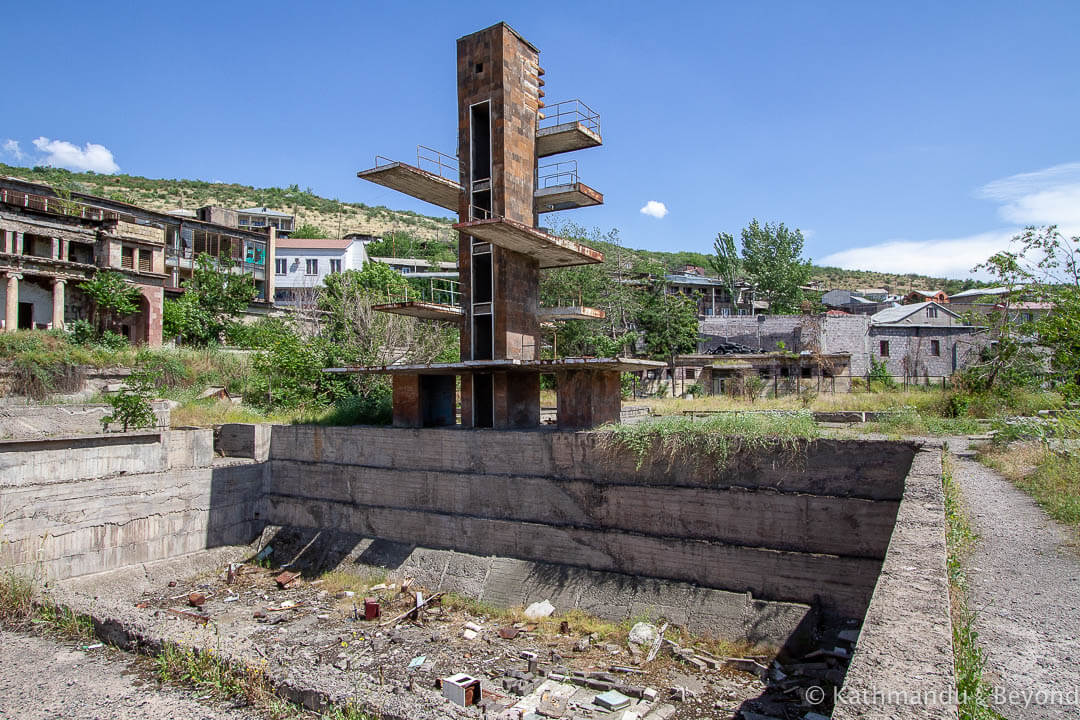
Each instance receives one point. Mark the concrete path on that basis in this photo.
(41, 679)
(1025, 586)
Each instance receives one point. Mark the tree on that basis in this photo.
(111, 297)
(307, 230)
(670, 325)
(131, 406)
(213, 299)
(727, 264)
(772, 256)
(1045, 268)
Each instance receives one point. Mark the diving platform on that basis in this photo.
(414, 182)
(573, 312)
(424, 310)
(548, 250)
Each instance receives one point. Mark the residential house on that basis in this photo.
(923, 341)
(259, 218)
(920, 296)
(301, 264)
(852, 302)
(713, 296)
(421, 267)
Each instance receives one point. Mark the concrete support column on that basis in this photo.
(17, 243)
(11, 319)
(58, 304)
(55, 253)
(65, 249)
(4, 240)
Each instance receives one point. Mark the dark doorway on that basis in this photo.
(483, 401)
(26, 316)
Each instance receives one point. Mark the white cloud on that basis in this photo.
(655, 209)
(11, 147)
(947, 257)
(1045, 197)
(61, 153)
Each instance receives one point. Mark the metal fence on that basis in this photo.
(569, 111)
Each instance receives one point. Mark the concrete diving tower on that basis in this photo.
(498, 189)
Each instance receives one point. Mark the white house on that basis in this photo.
(302, 263)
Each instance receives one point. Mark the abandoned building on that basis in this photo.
(713, 295)
(50, 243)
(918, 343)
(769, 374)
(495, 186)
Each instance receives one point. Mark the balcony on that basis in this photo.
(567, 126)
(56, 206)
(548, 250)
(558, 188)
(433, 179)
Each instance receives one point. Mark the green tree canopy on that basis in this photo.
(727, 264)
(772, 256)
(111, 297)
(669, 323)
(213, 300)
(307, 230)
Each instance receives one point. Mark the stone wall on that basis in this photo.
(73, 506)
(808, 525)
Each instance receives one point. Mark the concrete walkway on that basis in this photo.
(1025, 586)
(45, 679)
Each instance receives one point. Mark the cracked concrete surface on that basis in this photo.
(99, 684)
(1024, 581)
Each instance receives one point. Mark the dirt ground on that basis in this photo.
(1025, 584)
(45, 679)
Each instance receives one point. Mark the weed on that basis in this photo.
(716, 437)
(1050, 476)
(969, 660)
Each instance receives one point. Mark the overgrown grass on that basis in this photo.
(909, 421)
(21, 607)
(1050, 476)
(714, 438)
(969, 660)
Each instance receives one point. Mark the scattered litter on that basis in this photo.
(469, 634)
(371, 608)
(377, 588)
(264, 553)
(612, 700)
(231, 598)
(461, 689)
(286, 579)
(508, 633)
(642, 634)
(851, 636)
(200, 619)
(539, 610)
(196, 599)
(95, 646)
(417, 661)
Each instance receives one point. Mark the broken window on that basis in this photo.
(935, 348)
(883, 348)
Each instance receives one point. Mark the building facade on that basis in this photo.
(302, 264)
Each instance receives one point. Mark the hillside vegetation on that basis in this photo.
(336, 218)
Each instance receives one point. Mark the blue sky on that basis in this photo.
(899, 136)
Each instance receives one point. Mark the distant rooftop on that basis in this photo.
(263, 211)
(979, 292)
(899, 312)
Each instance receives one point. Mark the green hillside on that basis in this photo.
(336, 218)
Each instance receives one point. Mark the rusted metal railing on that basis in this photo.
(438, 163)
(564, 172)
(56, 205)
(569, 111)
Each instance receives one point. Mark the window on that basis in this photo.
(312, 266)
(145, 261)
(281, 266)
(690, 374)
(127, 258)
(335, 266)
(935, 348)
(931, 312)
(884, 349)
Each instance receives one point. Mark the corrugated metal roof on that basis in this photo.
(979, 292)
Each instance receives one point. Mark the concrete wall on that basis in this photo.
(803, 527)
(75, 506)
